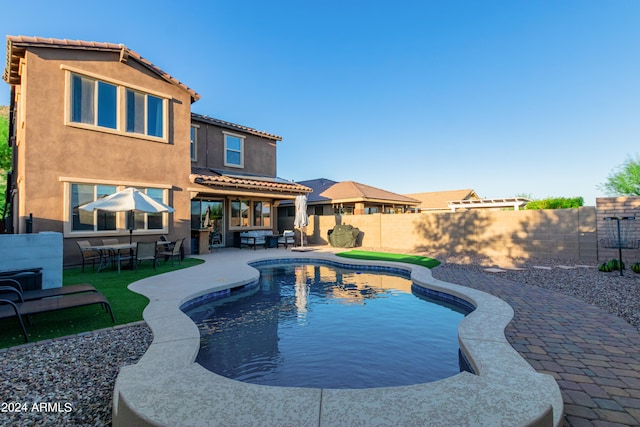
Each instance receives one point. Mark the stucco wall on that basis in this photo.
(259, 153)
(563, 233)
(53, 153)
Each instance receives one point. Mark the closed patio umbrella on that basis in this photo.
(301, 219)
(128, 200)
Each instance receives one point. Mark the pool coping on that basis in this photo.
(166, 387)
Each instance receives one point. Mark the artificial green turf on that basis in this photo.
(127, 306)
(384, 256)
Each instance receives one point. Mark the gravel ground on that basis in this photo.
(67, 382)
(71, 380)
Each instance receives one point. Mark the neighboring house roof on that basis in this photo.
(17, 45)
(328, 191)
(233, 126)
(441, 199)
(351, 191)
(318, 186)
(229, 180)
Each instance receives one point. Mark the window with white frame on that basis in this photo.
(233, 150)
(249, 213)
(240, 211)
(194, 143)
(95, 102)
(145, 113)
(262, 214)
(100, 221)
(148, 221)
(82, 220)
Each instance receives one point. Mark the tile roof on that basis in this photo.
(233, 126)
(441, 199)
(355, 191)
(318, 186)
(17, 45)
(228, 180)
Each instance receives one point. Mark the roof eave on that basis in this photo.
(235, 127)
(17, 45)
(250, 185)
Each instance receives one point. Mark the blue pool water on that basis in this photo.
(324, 326)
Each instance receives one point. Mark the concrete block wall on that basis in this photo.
(563, 233)
(618, 207)
(41, 250)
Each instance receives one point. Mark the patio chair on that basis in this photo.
(112, 253)
(88, 254)
(167, 246)
(287, 238)
(215, 238)
(9, 308)
(146, 251)
(173, 252)
(44, 293)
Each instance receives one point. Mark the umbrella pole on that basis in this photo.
(131, 219)
(131, 222)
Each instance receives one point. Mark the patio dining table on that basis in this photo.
(107, 251)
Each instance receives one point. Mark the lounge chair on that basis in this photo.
(146, 251)
(9, 308)
(173, 252)
(287, 238)
(88, 254)
(45, 293)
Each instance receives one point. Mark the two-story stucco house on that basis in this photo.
(233, 180)
(88, 119)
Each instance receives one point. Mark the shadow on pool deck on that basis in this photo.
(593, 355)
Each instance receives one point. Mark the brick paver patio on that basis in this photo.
(593, 355)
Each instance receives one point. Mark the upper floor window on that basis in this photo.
(145, 114)
(93, 102)
(233, 150)
(111, 106)
(194, 143)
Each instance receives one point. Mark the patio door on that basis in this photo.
(209, 214)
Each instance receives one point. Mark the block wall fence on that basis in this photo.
(574, 234)
(618, 207)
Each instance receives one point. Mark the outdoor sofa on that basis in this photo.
(254, 238)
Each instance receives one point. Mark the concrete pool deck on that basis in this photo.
(166, 387)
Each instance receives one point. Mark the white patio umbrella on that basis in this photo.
(128, 200)
(301, 219)
(206, 222)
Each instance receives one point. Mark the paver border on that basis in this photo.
(166, 387)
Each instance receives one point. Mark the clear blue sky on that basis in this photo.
(505, 97)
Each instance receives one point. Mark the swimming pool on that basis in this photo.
(167, 387)
(311, 324)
